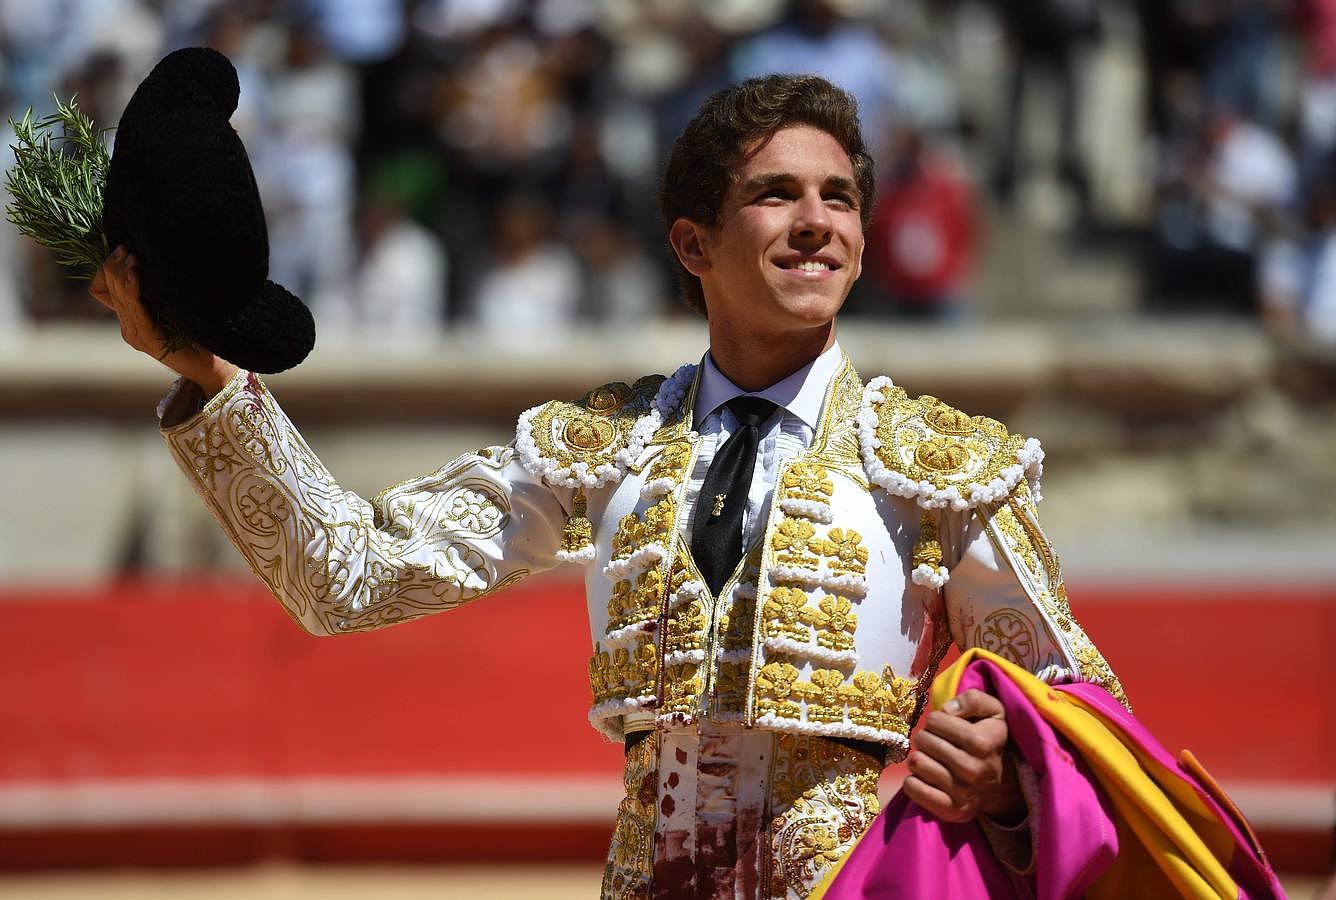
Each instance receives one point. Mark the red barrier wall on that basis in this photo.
(209, 678)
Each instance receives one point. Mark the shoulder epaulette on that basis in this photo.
(580, 444)
(926, 450)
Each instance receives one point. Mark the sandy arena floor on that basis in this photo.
(282, 882)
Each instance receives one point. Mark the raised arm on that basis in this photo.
(336, 562)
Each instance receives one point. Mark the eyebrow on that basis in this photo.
(772, 179)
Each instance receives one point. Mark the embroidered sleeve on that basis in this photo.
(1005, 594)
(338, 563)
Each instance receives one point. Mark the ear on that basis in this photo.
(688, 241)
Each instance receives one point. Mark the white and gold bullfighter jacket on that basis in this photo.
(905, 526)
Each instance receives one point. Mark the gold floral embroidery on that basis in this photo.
(834, 622)
(823, 797)
(682, 688)
(600, 676)
(775, 690)
(824, 700)
(620, 604)
(646, 595)
(736, 623)
(472, 510)
(254, 433)
(807, 481)
(845, 550)
(783, 611)
(212, 454)
(792, 539)
(591, 430)
(262, 507)
(671, 463)
(627, 536)
(926, 440)
(686, 628)
(730, 687)
(630, 865)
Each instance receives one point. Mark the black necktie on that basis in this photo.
(716, 533)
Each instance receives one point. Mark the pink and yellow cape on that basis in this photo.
(1117, 815)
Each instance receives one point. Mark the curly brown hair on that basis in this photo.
(707, 154)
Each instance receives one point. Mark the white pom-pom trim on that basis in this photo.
(639, 560)
(666, 402)
(601, 713)
(841, 659)
(934, 577)
(583, 555)
(794, 575)
(627, 634)
(690, 590)
(679, 657)
(744, 590)
(657, 487)
(736, 655)
(808, 509)
(846, 583)
(1029, 465)
(575, 475)
(773, 722)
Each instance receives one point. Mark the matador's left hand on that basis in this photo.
(958, 767)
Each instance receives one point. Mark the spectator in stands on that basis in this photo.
(817, 37)
(922, 242)
(532, 287)
(625, 288)
(1317, 102)
(1045, 38)
(308, 177)
(1297, 274)
(1225, 185)
(399, 287)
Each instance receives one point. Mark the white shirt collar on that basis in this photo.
(801, 393)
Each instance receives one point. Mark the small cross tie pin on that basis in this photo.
(718, 505)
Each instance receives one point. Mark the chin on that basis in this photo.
(813, 310)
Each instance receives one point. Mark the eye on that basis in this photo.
(773, 194)
(845, 201)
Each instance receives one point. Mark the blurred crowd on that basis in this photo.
(427, 164)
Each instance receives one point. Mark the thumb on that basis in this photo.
(974, 704)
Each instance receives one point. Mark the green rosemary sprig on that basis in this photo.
(56, 185)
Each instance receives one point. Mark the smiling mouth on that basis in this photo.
(810, 265)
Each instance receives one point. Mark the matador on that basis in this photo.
(777, 553)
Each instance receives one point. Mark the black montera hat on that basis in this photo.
(182, 198)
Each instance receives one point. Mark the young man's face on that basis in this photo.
(789, 245)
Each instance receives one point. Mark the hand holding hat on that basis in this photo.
(180, 197)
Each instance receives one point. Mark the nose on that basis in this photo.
(811, 221)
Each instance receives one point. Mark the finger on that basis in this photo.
(982, 738)
(98, 289)
(974, 704)
(931, 772)
(966, 771)
(933, 800)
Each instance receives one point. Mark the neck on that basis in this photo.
(754, 362)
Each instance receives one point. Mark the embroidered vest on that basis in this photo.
(833, 623)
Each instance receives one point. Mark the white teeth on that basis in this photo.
(813, 266)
